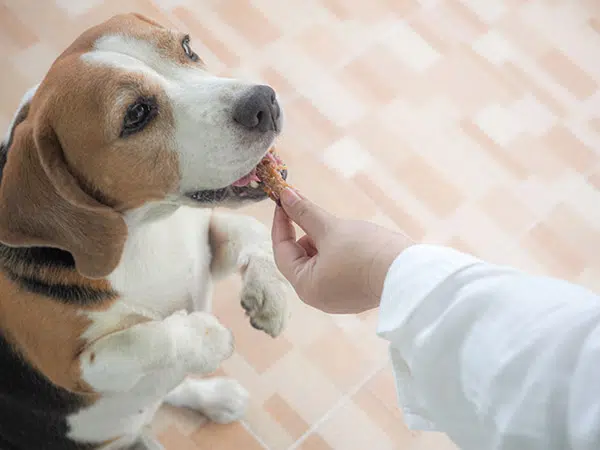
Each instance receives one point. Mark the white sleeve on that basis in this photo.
(495, 358)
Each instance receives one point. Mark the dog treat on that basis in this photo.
(271, 172)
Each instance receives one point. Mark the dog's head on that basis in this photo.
(127, 116)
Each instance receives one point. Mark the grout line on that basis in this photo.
(254, 435)
(335, 407)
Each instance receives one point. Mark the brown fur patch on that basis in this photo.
(46, 333)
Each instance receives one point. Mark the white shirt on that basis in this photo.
(495, 358)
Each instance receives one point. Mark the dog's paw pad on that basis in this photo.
(264, 298)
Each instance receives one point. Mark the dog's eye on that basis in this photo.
(137, 116)
(187, 48)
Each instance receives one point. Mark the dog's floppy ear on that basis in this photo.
(43, 205)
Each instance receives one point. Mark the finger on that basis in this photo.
(312, 219)
(283, 229)
(308, 245)
(289, 255)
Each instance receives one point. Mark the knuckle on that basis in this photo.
(302, 209)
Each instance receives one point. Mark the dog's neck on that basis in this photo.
(150, 212)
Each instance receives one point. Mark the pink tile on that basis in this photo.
(569, 149)
(558, 257)
(281, 411)
(314, 442)
(225, 437)
(341, 361)
(568, 74)
(173, 439)
(203, 34)
(14, 30)
(429, 185)
(250, 23)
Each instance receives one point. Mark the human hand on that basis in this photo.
(339, 266)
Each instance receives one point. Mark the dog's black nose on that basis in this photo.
(258, 110)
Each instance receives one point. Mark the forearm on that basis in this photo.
(234, 239)
(495, 358)
(242, 244)
(182, 343)
(117, 362)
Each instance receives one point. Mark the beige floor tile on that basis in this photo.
(464, 122)
(225, 437)
(314, 442)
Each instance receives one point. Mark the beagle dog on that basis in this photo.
(110, 173)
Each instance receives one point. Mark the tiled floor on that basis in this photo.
(472, 123)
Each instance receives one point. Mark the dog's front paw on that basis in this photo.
(222, 400)
(228, 402)
(201, 341)
(265, 296)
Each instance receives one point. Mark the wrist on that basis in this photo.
(385, 256)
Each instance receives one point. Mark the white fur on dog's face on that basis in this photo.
(213, 150)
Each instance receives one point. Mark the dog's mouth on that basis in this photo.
(249, 187)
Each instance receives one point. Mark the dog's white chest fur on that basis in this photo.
(166, 264)
(165, 268)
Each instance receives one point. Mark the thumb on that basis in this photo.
(312, 219)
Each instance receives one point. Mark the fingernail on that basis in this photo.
(289, 197)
